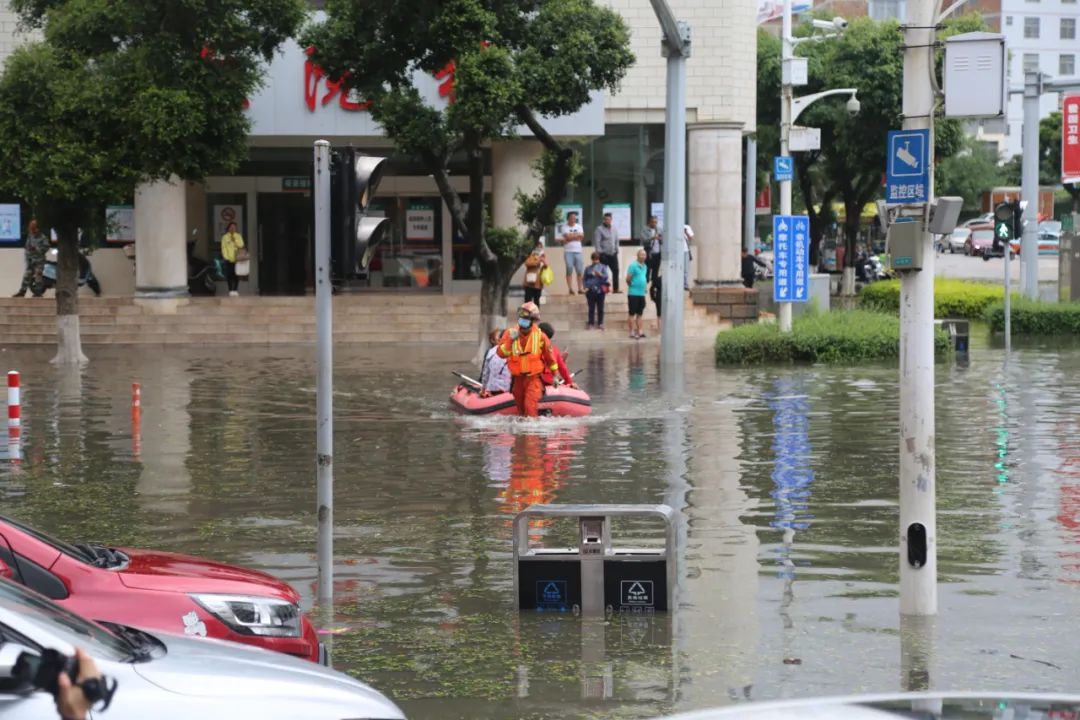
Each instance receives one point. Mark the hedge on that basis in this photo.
(1030, 317)
(952, 298)
(847, 337)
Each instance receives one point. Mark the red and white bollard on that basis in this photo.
(136, 419)
(14, 422)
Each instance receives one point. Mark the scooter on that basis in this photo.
(86, 272)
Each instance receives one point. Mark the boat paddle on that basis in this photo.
(468, 380)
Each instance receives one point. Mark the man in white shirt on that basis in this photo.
(494, 374)
(570, 237)
(688, 235)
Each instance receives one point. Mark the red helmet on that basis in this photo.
(529, 310)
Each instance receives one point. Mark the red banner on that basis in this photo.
(763, 201)
(1070, 138)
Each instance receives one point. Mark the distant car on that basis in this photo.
(161, 591)
(980, 240)
(980, 220)
(958, 239)
(171, 677)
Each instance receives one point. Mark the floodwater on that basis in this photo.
(784, 482)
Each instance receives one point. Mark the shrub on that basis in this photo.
(1036, 318)
(847, 337)
(952, 298)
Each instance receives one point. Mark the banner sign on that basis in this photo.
(1070, 138)
(621, 219)
(791, 258)
(10, 224)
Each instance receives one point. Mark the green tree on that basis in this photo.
(969, 173)
(123, 92)
(514, 62)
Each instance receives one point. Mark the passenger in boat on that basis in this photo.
(495, 375)
(564, 372)
(528, 352)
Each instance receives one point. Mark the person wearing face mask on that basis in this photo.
(528, 353)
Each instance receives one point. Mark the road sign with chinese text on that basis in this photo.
(907, 169)
(783, 168)
(791, 258)
(1070, 138)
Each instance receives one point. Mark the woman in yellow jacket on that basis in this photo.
(231, 244)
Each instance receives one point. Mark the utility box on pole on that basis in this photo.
(975, 77)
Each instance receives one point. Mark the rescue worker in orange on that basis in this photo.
(528, 353)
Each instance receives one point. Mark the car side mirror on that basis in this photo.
(5, 571)
(9, 658)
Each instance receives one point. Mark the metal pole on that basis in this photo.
(786, 53)
(324, 407)
(1029, 245)
(749, 204)
(671, 333)
(918, 579)
(1008, 298)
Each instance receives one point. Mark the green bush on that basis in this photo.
(1036, 318)
(847, 337)
(952, 298)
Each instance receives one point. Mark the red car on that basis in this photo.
(160, 591)
(980, 240)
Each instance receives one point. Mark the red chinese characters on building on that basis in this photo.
(1070, 138)
(446, 78)
(313, 77)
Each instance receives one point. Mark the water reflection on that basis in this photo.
(423, 501)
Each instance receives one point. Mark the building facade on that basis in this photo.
(620, 136)
(1041, 35)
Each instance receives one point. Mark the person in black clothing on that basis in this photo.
(749, 273)
(656, 293)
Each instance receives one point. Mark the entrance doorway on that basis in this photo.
(285, 250)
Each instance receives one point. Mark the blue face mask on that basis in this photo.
(524, 323)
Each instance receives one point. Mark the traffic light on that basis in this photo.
(354, 237)
(1008, 222)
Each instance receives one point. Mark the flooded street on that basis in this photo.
(784, 481)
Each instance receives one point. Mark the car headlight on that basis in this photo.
(253, 615)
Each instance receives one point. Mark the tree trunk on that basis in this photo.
(68, 339)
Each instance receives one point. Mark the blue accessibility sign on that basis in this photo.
(791, 258)
(551, 595)
(783, 168)
(907, 169)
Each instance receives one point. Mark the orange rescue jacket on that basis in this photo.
(529, 354)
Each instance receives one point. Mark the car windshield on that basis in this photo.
(96, 640)
(63, 547)
(983, 235)
(961, 232)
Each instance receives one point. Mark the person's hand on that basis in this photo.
(71, 703)
(514, 334)
(485, 393)
(573, 386)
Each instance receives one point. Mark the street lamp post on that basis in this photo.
(790, 109)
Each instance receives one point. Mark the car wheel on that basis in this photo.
(1012, 255)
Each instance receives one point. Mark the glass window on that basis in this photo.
(1066, 64)
(1031, 27)
(411, 256)
(886, 10)
(1031, 62)
(465, 266)
(1068, 28)
(1068, 2)
(1008, 19)
(625, 166)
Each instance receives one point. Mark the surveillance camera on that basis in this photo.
(839, 23)
(853, 106)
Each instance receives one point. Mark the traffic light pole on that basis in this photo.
(787, 51)
(1008, 296)
(918, 523)
(324, 378)
(1029, 167)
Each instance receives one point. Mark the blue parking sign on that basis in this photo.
(791, 258)
(907, 169)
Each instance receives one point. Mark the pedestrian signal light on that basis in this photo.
(1003, 221)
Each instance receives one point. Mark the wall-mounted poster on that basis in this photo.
(420, 221)
(225, 214)
(10, 224)
(120, 224)
(621, 219)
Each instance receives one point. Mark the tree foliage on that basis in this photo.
(512, 61)
(127, 91)
(969, 173)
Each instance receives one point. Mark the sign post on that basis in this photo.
(791, 261)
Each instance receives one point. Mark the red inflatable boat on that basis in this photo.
(560, 401)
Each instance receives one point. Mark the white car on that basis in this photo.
(169, 677)
(958, 239)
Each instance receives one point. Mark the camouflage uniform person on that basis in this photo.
(36, 247)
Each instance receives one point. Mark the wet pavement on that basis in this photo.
(784, 479)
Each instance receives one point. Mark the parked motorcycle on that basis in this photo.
(202, 275)
(86, 271)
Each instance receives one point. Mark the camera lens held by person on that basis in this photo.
(75, 683)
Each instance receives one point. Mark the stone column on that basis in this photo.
(160, 235)
(511, 170)
(715, 192)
